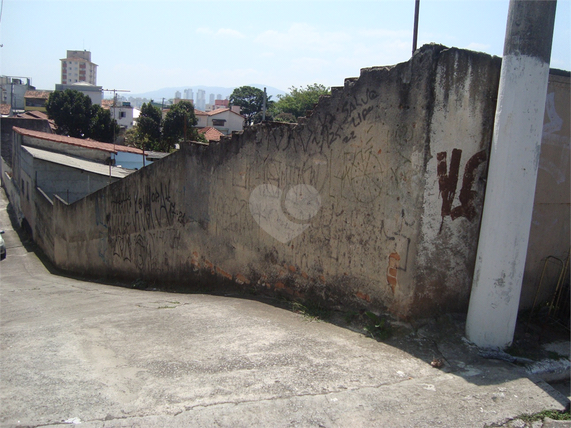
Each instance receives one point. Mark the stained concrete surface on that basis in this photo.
(76, 352)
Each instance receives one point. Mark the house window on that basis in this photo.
(218, 122)
(122, 114)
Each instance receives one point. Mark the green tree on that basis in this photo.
(251, 102)
(298, 101)
(179, 124)
(148, 130)
(75, 116)
(71, 112)
(103, 127)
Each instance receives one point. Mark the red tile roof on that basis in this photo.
(5, 109)
(106, 104)
(38, 94)
(88, 143)
(211, 134)
(221, 110)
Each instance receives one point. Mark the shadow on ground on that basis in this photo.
(439, 342)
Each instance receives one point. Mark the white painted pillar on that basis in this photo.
(512, 174)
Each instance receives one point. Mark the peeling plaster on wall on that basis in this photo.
(460, 135)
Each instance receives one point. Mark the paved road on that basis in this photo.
(103, 356)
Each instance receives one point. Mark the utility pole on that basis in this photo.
(415, 30)
(114, 107)
(264, 106)
(115, 98)
(512, 174)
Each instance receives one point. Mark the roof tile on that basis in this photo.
(211, 134)
(90, 144)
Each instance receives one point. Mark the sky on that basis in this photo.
(145, 45)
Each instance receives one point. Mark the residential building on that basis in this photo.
(224, 120)
(105, 153)
(220, 104)
(121, 111)
(33, 120)
(211, 134)
(13, 90)
(92, 91)
(36, 100)
(45, 166)
(77, 67)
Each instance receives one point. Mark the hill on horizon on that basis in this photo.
(168, 93)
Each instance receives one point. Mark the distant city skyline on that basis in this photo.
(142, 46)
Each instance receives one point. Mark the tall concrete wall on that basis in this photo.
(374, 200)
(44, 225)
(549, 235)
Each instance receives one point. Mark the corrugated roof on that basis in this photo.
(87, 143)
(81, 164)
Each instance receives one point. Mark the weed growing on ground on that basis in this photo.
(379, 328)
(311, 311)
(558, 415)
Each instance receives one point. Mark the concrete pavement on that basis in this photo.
(75, 352)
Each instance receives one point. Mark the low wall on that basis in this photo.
(374, 200)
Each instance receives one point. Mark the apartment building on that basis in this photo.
(77, 67)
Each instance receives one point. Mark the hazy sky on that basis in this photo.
(146, 45)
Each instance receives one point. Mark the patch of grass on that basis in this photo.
(379, 328)
(558, 415)
(311, 311)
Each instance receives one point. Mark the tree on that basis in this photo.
(299, 101)
(148, 131)
(179, 123)
(75, 116)
(251, 102)
(71, 112)
(103, 128)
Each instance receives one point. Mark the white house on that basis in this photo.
(121, 111)
(224, 120)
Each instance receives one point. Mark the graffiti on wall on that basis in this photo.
(448, 182)
(135, 220)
